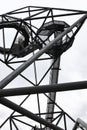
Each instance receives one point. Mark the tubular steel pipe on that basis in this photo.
(53, 80)
(54, 73)
(27, 113)
(82, 123)
(44, 89)
(22, 67)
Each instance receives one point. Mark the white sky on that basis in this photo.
(8, 5)
(73, 62)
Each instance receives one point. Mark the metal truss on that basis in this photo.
(32, 42)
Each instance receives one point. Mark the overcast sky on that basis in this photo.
(73, 62)
(7, 5)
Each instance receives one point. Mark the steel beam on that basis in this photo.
(22, 67)
(27, 113)
(44, 89)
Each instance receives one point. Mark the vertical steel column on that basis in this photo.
(52, 95)
(53, 80)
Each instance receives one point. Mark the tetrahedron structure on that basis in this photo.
(32, 40)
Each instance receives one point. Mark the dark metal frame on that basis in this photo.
(34, 13)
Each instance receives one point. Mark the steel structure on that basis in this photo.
(30, 38)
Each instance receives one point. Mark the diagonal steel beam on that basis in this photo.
(27, 113)
(44, 89)
(22, 67)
